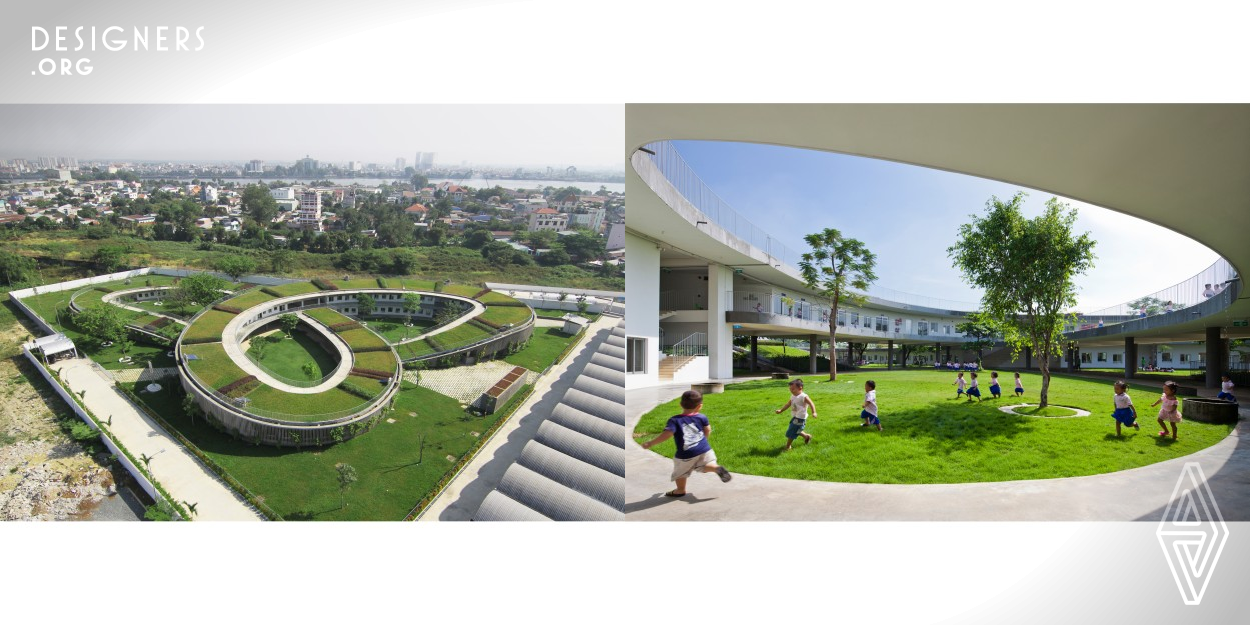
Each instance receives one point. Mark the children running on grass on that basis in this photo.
(995, 389)
(799, 401)
(690, 430)
(1169, 412)
(959, 385)
(1226, 389)
(1019, 387)
(973, 390)
(869, 412)
(1124, 413)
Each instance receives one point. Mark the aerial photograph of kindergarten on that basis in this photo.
(221, 327)
(936, 312)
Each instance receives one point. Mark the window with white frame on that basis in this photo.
(1165, 357)
(1102, 356)
(1117, 357)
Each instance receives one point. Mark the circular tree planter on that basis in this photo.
(1058, 412)
(1209, 410)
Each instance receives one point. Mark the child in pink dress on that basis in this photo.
(1169, 412)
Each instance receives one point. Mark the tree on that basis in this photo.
(346, 477)
(836, 265)
(234, 265)
(498, 254)
(555, 257)
(259, 204)
(281, 261)
(365, 304)
(584, 247)
(100, 323)
(199, 289)
(289, 322)
(1026, 267)
(109, 258)
(979, 332)
(412, 304)
(14, 268)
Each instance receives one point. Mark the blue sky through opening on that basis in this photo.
(909, 215)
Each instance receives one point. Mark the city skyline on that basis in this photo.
(585, 136)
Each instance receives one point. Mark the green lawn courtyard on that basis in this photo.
(930, 437)
(287, 357)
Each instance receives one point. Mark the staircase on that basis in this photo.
(671, 365)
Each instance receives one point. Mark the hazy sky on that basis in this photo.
(909, 215)
(586, 136)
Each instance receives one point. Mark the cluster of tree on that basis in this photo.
(16, 269)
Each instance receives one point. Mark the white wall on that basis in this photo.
(642, 283)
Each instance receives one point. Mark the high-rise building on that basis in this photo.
(401, 163)
(309, 215)
(425, 161)
(254, 167)
(305, 167)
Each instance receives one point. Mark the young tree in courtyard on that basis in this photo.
(288, 322)
(100, 323)
(834, 267)
(365, 304)
(412, 304)
(346, 477)
(1026, 267)
(978, 333)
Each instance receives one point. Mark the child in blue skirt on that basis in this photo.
(973, 390)
(1019, 387)
(1226, 389)
(1125, 414)
(959, 385)
(995, 389)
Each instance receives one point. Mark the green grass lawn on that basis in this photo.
(294, 288)
(210, 325)
(286, 357)
(378, 361)
(211, 364)
(462, 290)
(249, 299)
(47, 305)
(500, 315)
(413, 349)
(929, 436)
(394, 330)
(394, 473)
(361, 338)
(495, 297)
(327, 316)
(543, 348)
(461, 335)
(357, 283)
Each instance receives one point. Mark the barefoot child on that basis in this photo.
(1226, 389)
(799, 401)
(959, 385)
(973, 390)
(1124, 413)
(995, 389)
(869, 413)
(1019, 387)
(689, 430)
(1169, 412)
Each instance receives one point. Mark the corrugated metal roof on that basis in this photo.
(574, 468)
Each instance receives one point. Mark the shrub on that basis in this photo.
(371, 348)
(344, 326)
(240, 387)
(324, 285)
(270, 291)
(372, 373)
(227, 309)
(383, 283)
(434, 344)
(485, 325)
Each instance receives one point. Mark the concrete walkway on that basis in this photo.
(236, 351)
(1139, 494)
(464, 495)
(179, 472)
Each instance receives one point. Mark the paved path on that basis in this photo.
(237, 352)
(174, 467)
(144, 374)
(464, 495)
(1139, 494)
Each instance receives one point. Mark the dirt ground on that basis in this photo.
(44, 474)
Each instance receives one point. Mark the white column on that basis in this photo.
(720, 348)
(642, 293)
